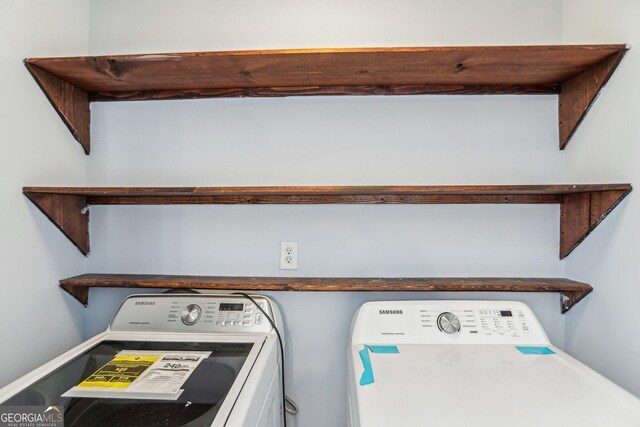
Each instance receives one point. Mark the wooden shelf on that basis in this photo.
(571, 291)
(576, 73)
(582, 206)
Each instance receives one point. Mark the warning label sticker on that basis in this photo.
(120, 372)
(141, 375)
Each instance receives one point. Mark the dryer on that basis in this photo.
(471, 363)
(168, 359)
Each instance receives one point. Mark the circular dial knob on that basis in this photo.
(191, 314)
(448, 323)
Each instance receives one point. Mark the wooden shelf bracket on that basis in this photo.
(82, 293)
(580, 213)
(69, 212)
(568, 298)
(70, 102)
(578, 94)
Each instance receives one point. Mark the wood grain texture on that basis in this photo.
(578, 94)
(67, 212)
(365, 71)
(580, 214)
(318, 199)
(79, 285)
(70, 102)
(471, 65)
(583, 206)
(574, 221)
(317, 191)
(81, 293)
(282, 91)
(602, 203)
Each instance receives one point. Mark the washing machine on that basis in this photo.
(472, 363)
(167, 360)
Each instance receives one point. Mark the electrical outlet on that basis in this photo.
(288, 255)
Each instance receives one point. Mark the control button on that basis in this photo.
(258, 318)
(191, 314)
(237, 322)
(448, 323)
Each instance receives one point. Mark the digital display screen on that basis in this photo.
(505, 313)
(225, 306)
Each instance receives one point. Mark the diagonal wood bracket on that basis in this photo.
(82, 293)
(580, 213)
(68, 212)
(70, 102)
(578, 94)
(567, 298)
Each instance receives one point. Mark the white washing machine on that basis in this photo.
(472, 363)
(171, 360)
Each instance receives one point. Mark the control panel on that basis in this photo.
(444, 322)
(199, 313)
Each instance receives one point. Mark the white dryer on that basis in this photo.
(170, 360)
(471, 363)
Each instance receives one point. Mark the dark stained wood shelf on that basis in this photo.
(582, 206)
(576, 73)
(571, 291)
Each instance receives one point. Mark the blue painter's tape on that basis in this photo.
(535, 350)
(383, 348)
(367, 374)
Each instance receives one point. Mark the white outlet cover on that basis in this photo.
(288, 255)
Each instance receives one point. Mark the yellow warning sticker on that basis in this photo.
(120, 372)
(141, 374)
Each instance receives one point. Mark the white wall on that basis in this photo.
(325, 140)
(602, 331)
(121, 26)
(37, 321)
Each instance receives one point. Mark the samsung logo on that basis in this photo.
(145, 303)
(390, 311)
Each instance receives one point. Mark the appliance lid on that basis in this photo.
(484, 385)
(204, 391)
